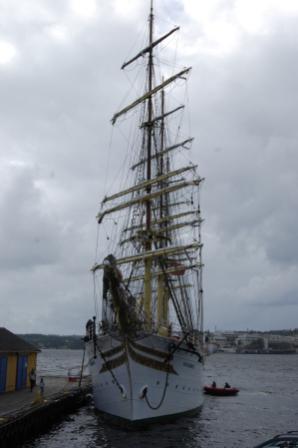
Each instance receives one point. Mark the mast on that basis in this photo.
(148, 244)
(162, 296)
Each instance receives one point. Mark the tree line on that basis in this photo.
(54, 341)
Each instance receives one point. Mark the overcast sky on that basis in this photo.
(60, 84)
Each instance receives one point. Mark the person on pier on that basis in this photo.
(41, 387)
(32, 378)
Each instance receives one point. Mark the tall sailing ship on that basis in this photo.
(146, 352)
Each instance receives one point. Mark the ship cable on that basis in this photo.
(167, 359)
(110, 370)
(162, 397)
(82, 366)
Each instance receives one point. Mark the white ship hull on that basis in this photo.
(136, 381)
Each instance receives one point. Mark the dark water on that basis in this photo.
(266, 405)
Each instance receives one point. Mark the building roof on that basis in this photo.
(11, 343)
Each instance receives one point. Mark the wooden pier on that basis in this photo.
(24, 414)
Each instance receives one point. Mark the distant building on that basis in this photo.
(17, 358)
(219, 339)
(247, 338)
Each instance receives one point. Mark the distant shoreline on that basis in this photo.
(51, 341)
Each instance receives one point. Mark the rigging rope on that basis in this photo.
(95, 297)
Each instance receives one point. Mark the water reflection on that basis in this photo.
(179, 433)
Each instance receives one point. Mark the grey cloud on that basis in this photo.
(29, 235)
(57, 98)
